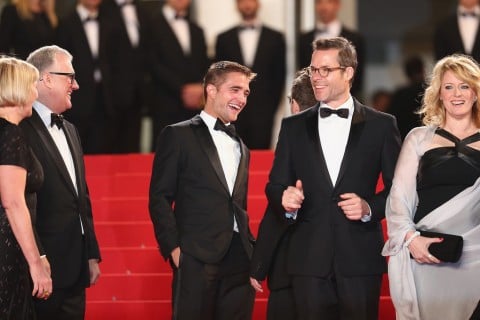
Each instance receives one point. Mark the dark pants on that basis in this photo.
(214, 291)
(281, 305)
(337, 297)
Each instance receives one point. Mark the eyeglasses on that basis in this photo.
(71, 75)
(322, 71)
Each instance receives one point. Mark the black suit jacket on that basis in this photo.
(266, 89)
(304, 54)
(447, 39)
(171, 67)
(71, 36)
(59, 206)
(127, 65)
(187, 174)
(323, 237)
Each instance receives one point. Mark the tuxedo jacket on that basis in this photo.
(304, 53)
(190, 204)
(267, 88)
(447, 39)
(59, 206)
(171, 67)
(128, 65)
(72, 37)
(322, 237)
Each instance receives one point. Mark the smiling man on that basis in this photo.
(198, 198)
(323, 181)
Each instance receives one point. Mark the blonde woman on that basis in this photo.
(436, 188)
(26, 25)
(20, 175)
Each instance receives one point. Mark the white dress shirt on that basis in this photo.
(179, 27)
(228, 150)
(130, 20)
(468, 27)
(333, 29)
(333, 132)
(92, 32)
(58, 136)
(248, 38)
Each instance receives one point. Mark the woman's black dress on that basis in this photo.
(15, 284)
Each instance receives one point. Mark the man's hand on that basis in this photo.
(293, 197)
(256, 285)
(192, 95)
(176, 256)
(353, 206)
(94, 270)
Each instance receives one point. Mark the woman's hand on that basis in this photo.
(42, 282)
(419, 249)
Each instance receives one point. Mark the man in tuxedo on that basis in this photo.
(128, 67)
(86, 35)
(261, 48)
(198, 198)
(179, 54)
(269, 256)
(458, 33)
(64, 215)
(323, 180)
(328, 25)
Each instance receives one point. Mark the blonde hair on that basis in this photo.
(464, 68)
(23, 9)
(16, 79)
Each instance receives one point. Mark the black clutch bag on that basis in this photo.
(449, 250)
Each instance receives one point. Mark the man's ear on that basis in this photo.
(211, 90)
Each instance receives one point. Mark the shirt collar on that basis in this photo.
(169, 12)
(462, 9)
(209, 120)
(347, 104)
(44, 112)
(84, 13)
(334, 27)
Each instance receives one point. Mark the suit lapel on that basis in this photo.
(312, 128)
(52, 149)
(358, 122)
(242, 172)
(75, 152)
(207, 144)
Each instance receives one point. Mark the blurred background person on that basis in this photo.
(407, 100)
(436, 187)
(301, 96)
(381, 99)
(458, 33)
(261, 48)
(179, 53)
(328, 25)
(26, 25)
(20, 176)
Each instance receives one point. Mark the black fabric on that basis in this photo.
(446, 171)
(15, 285)
(57, 119)
(327, 112)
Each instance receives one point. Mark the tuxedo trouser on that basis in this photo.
(476, 313)
(220, 291)
(281, 305)
(337, 297)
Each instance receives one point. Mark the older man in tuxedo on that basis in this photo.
(323, 181)
(64, 214)
(198, 199)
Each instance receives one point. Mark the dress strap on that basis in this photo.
(447, 135)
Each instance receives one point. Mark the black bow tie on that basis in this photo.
(126, 3)
(246, 27)
(327, 112)
(180, 17)
(230, 129)
(471, 14)
(90, 18)
(57, 119)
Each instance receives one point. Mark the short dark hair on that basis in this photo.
(347, 55)
(302, 91)
(217, 71)
(414, 67)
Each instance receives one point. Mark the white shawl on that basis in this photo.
(427, 291)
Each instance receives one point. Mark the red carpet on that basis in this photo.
(135, 281)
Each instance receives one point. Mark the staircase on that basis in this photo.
(136, 281)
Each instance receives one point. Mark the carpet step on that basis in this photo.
(125, 234)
